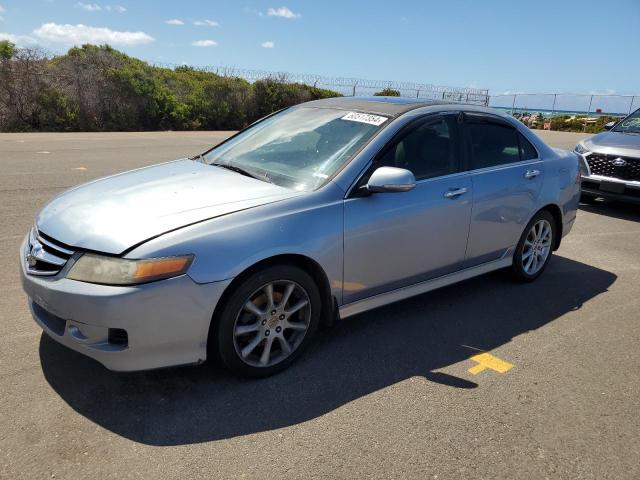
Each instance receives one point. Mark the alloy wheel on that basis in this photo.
(536, 247)
(272, 323)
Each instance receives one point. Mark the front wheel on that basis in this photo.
(534, 248)
(268, 321)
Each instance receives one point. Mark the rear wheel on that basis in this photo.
(534, 248)
(268, 321)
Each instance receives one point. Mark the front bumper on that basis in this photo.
(624, 190)
(167, 322)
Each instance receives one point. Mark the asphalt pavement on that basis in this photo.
(484, 379)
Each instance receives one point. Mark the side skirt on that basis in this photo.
(422, 287)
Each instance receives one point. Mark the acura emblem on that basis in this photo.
(620, 162)
(32, 256)
(31, 260)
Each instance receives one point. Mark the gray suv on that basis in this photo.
(612, 167)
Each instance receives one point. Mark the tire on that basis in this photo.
(255, 319)
(588, 198)
(533, 253)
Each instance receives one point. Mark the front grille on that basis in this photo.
(601, 164)
(45, 256)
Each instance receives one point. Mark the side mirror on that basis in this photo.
(610, 125)
(390, 180)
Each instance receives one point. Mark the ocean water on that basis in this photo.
(550, 113)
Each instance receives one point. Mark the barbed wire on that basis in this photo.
(347, 85)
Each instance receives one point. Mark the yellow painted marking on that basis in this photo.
(79, 168)
(486, 360)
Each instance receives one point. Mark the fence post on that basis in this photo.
(513, 106)
(633, 98)
(418, 93)
(588, 112)
(553, 108)
(354, 89)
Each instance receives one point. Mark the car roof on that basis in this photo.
(390, 106)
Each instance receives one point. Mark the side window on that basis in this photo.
(527, 151)
(492, 144)
(429, 150)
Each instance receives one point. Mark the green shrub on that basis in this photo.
(56, 112)
(387, 92)
(98, 88)
(7, 49)
(572, 123)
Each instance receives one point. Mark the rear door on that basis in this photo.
(507, 176)
(392, 240)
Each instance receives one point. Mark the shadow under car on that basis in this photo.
(612, 208)
(358, 356)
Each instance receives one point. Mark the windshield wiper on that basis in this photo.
(241, 171)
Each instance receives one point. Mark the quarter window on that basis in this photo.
(428, 150)
(527, 151)
(492, 144)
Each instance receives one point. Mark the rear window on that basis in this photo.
(492, 145)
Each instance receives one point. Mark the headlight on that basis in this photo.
(120, 271)
(584, 167)
(581, 149)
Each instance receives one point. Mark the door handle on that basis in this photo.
(455, 193)
(531, 174)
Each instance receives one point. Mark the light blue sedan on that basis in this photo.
(315, 213)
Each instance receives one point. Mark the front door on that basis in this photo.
(392, 240)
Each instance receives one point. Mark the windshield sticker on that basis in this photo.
(376, 120)
(631, 123)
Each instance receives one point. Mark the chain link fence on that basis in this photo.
(551, 104)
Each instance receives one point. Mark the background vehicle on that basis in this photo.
(613, 160)
(325, 210)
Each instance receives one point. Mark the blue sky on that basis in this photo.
(526, 46)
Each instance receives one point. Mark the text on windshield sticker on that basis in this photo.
(376, 120)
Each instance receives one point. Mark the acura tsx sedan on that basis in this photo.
(315, 213)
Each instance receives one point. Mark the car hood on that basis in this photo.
(115, 213)
(614, 140)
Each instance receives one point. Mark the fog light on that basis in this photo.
(118, 336)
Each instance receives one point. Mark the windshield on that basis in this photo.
(299, 148)
(631, 124)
